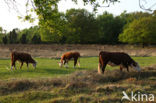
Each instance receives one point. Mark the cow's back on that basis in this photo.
(115, 57)
(70, 55)
(21, 56)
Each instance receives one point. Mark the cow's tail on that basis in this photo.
(99, 65)
(99, 69)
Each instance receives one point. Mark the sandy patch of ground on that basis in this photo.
(56, 50)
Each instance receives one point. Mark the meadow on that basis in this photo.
(49, 83)
(49, 67)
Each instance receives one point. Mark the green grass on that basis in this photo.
(71, 90)
(49, 67)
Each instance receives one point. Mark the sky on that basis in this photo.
(9, 17)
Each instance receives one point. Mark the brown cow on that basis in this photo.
(22, 57)
(115, 59)
(68, 56)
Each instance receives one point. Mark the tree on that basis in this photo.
(12, 36)
(49, 17)
(1, 35)
(36, 39)
(26, 35)
(23, 39)
(5, 40)
(81, 26)
(140, 31)
(109, 27)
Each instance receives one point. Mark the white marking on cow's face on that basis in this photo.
(60, 64)
(137, 67)
(34, 65)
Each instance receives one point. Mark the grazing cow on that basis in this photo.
(115, 59)
(68, 56)
(22, 57)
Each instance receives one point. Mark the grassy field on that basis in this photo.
(49, 67)
(50, 84)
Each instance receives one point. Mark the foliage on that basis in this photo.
(25, 36)
(81, 26)
(36, 39)
(31, 35)
(109, 27)
(140, 31)
(5, 40)
(23, 39)
(52, 23)
(12, 36)
(1, 35)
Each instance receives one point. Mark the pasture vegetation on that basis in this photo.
(51, 84)
(49, 67)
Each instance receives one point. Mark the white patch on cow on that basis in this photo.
(60, 64)
(111, 64)
(137, 67)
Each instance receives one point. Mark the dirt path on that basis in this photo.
(55, 50)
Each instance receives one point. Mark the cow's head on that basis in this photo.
(60, 64)
(136, 66)
(34, 64)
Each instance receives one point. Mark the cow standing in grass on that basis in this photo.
(22, 57)
(68, 56)
(115, 59)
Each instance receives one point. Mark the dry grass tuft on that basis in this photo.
(82, 79)
(20, 85)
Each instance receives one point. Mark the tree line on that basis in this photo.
(78, 26)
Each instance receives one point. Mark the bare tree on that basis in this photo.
(148, 5)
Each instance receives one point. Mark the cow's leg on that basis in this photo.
(103, 67)
(21, 65)
(121, 68)
(13, 64)
(27, 65)
(127, 68)
(75, 62)
(66, 63)
(78, 62)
